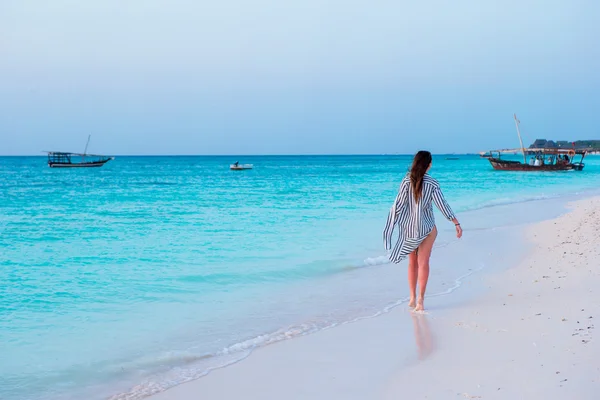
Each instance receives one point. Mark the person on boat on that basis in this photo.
(412, 212)
(236, 164)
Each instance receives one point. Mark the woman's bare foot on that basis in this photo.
(420, 306)
(412, 303)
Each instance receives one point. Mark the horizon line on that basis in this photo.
(252, 155)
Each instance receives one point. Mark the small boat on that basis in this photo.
(541, 159)
(58, 159)
(240, 167)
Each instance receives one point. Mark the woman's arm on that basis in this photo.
(444, 207)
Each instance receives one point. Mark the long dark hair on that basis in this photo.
(419, 167)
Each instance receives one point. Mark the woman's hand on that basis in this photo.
(458, 228)
(458, 231)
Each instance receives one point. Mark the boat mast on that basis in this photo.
(88, 143)
(517, 122)
(86, 147)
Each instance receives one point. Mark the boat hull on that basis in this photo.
(95, 164)
(504, 165)
(240, 167)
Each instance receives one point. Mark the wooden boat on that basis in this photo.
(69, 160)
(541, 159)
(57, 159)
(240, 167)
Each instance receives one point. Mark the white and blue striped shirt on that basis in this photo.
(414, 219)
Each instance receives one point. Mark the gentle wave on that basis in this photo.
(239, 351)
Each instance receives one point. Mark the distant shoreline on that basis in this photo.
(589, 144)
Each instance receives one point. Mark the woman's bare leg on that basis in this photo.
(413, 270)
(424, 253)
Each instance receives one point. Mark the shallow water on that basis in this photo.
(152, 270)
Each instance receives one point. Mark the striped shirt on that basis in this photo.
(415, 220)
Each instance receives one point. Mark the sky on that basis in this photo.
(295, 77)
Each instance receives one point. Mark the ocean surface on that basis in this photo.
(125, 280)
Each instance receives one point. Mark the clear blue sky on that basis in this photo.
(288, 77)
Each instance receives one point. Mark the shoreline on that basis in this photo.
(377, 290)
(368, 358)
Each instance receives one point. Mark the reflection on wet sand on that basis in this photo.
(423, 336)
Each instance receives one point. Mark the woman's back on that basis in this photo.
(416, 217)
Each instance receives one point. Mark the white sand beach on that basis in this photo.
(529, 335)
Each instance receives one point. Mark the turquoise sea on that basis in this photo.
(125, 280)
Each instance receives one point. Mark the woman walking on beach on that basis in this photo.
(413, 213)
